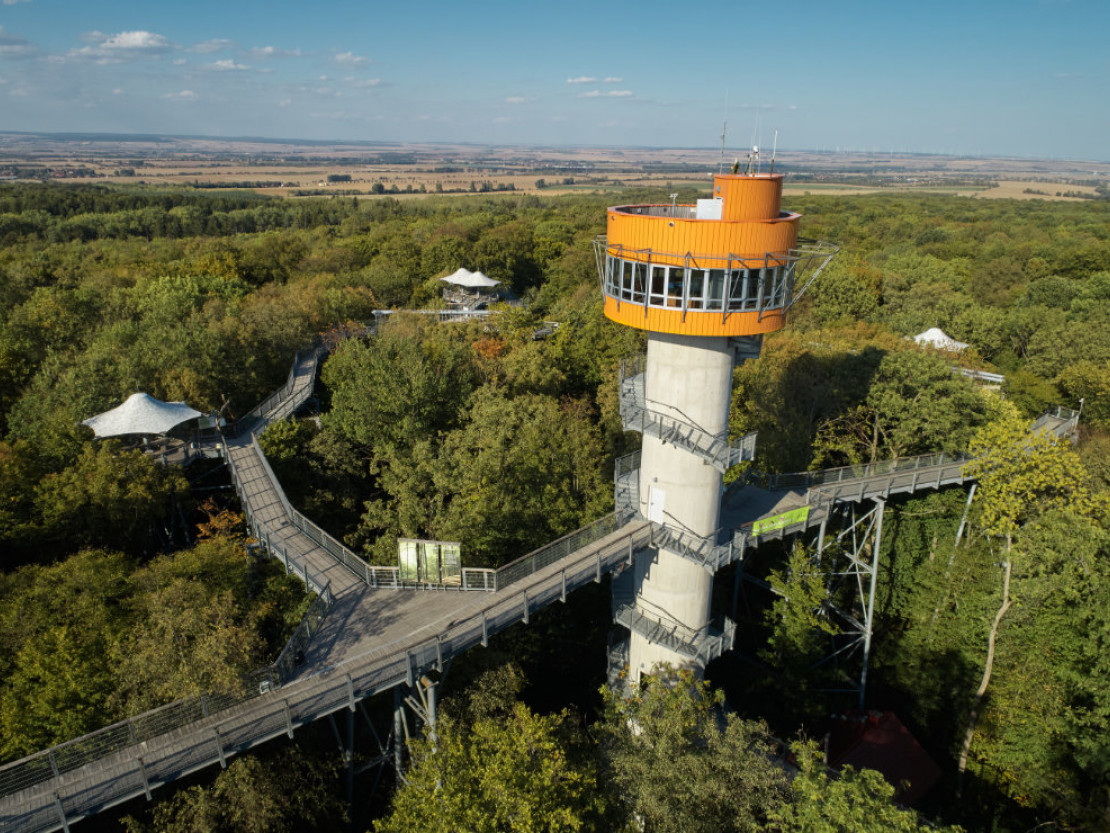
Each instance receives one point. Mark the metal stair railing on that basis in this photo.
(626, 483)
(705, 552)
(701, 646)
(717, 450)
(1060, 422)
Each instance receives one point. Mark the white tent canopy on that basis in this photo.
(140, 414)
(471, 280)
(937, 338)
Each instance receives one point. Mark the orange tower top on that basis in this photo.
(722, 267)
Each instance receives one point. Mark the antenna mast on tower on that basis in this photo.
(724, 133)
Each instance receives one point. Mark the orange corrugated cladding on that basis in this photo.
(695, 323)
(751, 225)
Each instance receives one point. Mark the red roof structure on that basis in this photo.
(879, 740)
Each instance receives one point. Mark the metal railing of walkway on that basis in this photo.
(48, 790)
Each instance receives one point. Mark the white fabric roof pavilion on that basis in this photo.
(140, 414)
(936, 337)
(471, 280)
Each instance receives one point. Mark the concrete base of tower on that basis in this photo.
(688, 379)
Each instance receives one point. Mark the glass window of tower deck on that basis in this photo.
(725, 266)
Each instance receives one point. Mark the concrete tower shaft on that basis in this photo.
(689, 379)
(695, 277)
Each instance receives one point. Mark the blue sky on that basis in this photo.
(982, 77)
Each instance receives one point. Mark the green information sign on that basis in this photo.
(781, 521)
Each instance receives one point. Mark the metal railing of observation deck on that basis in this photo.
(925, 467)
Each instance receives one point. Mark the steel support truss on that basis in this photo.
(848, 564)
(414, 711)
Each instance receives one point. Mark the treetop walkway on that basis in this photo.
(369, 631)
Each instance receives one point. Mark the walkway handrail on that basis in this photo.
(281, 403)
(858, 472)
(378, 669)
(558, 549)
(293, 564)
(292, 655)
(73, 754)
(472, 578)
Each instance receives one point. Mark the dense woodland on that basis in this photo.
(996, 653)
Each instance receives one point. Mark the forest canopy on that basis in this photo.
(502, 435)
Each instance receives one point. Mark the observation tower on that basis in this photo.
(706, 282)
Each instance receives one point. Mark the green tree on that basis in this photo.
(678, 761)
(57, 625)
(257, 793)
(497, 767)
(1022, 474)
(106, 497)
(196, 635)
(523, 471)
(852, 801)
(915, 405)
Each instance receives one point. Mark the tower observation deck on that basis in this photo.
(706, 281)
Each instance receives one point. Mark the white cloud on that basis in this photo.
(261, 53)
(607, 94)
(184, 95)
(117, 91)
(227, 65)
(139, 40)
(13, 2)
(125, 46)
(179, 62)
(350, 59)
(285, 102)
(517, 99)
(13, 46)
(362, 83)
(582, 79)
(612, 79)
(215, 45)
